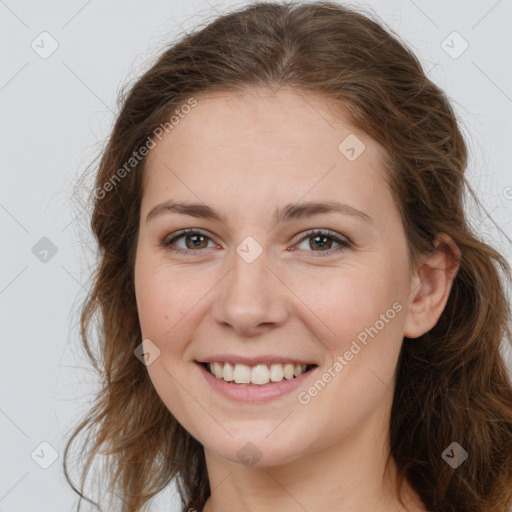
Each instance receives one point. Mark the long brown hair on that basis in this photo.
(451, 384)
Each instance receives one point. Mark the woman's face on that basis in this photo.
(254, 287)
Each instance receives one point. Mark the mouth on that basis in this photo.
(256, 375)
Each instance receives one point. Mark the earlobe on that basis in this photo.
(431, 287)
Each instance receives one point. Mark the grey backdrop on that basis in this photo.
(62, 66)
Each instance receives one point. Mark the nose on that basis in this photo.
(252, 297)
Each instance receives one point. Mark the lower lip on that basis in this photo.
(254, 392)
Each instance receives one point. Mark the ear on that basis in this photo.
(431, 286)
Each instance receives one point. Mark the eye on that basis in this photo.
(195, 241)
(320, 241)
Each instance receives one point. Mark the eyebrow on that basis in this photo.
(290, 212)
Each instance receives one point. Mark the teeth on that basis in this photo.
(227, 372)
(288, 370)
(242, 374)
(260, 374)
(217, 370)
(276, 372)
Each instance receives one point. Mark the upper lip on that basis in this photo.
(253, 361)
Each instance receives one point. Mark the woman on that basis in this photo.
(295, 313)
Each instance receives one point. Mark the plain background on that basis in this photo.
(56, 113)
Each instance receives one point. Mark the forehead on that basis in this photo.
(261, 145)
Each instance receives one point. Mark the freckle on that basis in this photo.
(166, 317)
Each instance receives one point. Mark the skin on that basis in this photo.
(246, 155)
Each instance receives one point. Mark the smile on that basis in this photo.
(259, 374)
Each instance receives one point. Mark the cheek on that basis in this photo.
(155, 300)
(169, 300)
(346, 301)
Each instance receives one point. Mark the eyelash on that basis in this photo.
(343, 242)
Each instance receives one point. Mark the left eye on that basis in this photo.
(196, 241)
(320, 239)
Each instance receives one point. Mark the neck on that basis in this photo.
(349, 475)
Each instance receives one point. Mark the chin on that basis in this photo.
(256, 452)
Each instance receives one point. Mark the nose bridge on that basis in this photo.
(248, 285)
(250, 294)
(250, 268)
